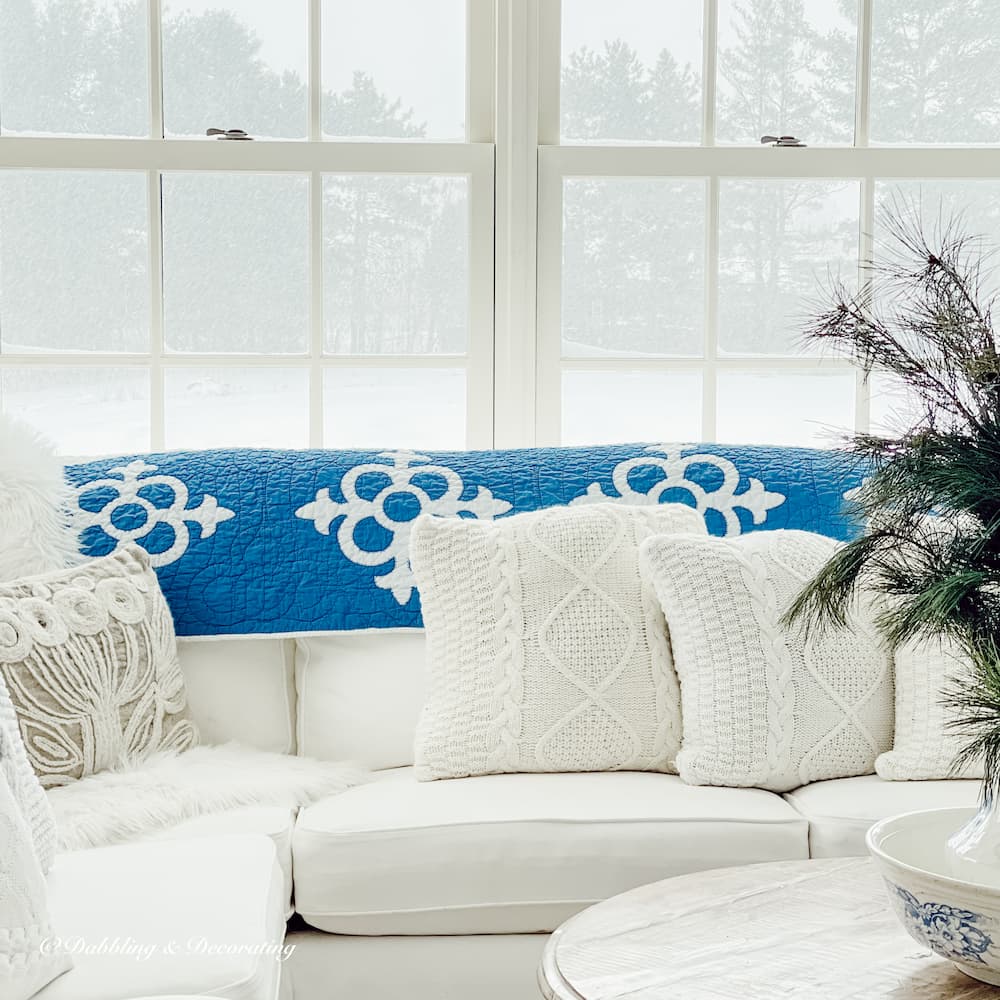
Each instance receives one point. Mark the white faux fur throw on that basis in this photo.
(168, 787)
(35, 532)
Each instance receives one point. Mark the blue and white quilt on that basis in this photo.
(255, 542)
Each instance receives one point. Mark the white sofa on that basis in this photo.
(433, 891)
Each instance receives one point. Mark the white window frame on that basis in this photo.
(473, 159)
(556, 162)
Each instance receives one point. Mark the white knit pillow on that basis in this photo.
(924, 748)
(27, 959)
(545, 651)
(763, 706)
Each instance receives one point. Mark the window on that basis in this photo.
(327, 283)
(679, 258)
(465, 223)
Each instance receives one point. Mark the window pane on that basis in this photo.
(619, 407)
(236, 263)
(395, 264)
(74, 68)
(785, 408)
(781, 243)
(84, 411)
(787, 67)
(236, 407)
(74, 269)
(631, 70)
(394, 69)
(934, 71)
(970, 207)
(894, 409)
(385, 408)
(633, 267)
(236, 64)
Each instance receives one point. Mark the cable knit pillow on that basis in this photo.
(545, 651)
(27, 961)
(764, 706)
(90, 660)
(924, 749)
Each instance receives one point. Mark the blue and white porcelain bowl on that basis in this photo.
(955, 918)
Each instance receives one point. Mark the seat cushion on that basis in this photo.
(200, 915)
(841, 811)
(517, 853)
(275, 822)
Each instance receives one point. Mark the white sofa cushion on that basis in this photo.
(360, 695)
(765, 705)
(274, 822)
(545, 650)
(841, 811)
(923, 747)
(517, 853)
(241, 689)
(210, 912)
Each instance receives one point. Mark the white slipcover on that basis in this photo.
(517, 853)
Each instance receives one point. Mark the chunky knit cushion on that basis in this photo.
(24, 785)
(764, 706)
(28, 960)
(545, 651)
(90, 660)
(924, 748)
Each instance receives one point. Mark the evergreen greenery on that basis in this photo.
(931, 548)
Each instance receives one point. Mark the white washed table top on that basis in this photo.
(798, 930)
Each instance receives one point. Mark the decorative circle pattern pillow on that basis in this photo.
(924, 748)
(764, 706)
(90, 660)
(545, 650)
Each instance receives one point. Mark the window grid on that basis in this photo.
(472, 159)
(713, 163)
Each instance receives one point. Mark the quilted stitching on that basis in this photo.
(252, 559)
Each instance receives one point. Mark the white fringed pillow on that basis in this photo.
(924, 748)
(35, 531)
(545, 651)
(764, 706)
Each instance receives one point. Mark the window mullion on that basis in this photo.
(862, 123)
(315, 69)
(316, 309)
(157, 418)
(709, 408)
(709, 71)
(154, 13)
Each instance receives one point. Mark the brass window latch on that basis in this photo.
(780, 140)
(228, 133)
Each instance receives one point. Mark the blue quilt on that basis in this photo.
(250, 542)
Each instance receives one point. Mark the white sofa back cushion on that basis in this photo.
(241, 689)
(360, 695)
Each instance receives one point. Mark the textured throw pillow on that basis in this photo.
(545, 651)
(24, 785)
(35, 531)
(765, 706)
(27, 959)
(90, 660)
(924, 748)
